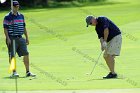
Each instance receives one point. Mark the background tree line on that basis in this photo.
(45, 3)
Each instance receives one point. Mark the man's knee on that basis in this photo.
(105, 56)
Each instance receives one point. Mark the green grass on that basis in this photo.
(52, 54)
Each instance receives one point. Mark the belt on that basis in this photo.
(17, 36)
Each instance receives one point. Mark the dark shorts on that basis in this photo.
(20, 47)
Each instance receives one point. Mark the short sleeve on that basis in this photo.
(5, 23)
(99, 33)
(105, 22)
(24, 24)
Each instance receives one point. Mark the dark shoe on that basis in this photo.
(110, 75)
(29, 74)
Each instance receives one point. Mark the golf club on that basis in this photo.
(96, 63)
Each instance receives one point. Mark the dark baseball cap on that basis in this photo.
(88, 19)
(15, 3)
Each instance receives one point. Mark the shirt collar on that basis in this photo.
(12, 13)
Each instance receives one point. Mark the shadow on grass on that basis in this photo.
(104, 79)
(13, 77)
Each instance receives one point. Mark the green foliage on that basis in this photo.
(45, 3)
(63, 0)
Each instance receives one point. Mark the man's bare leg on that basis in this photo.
(26, 62)
(110, 61)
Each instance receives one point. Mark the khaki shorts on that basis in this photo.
(114, 46)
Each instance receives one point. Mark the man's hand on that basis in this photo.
(102, 48)
(8, 41)
(27, 42)
(104, 45)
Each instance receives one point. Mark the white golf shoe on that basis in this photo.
(15, 74)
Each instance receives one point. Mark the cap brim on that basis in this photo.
(16, 5)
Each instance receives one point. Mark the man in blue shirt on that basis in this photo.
(110, 39)
(14, 28)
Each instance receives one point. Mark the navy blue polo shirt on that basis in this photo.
(14, 24)
(103, 23)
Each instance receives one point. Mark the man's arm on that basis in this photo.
(101, 41)
(106, 33)
(5, 26)
(104, 41)
(7, 36)
(6, 33)
(26, 36)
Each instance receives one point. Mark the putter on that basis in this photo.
(96, 63)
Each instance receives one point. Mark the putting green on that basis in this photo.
(82, 91)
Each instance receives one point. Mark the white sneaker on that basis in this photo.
(15, 74)
(28, 74)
